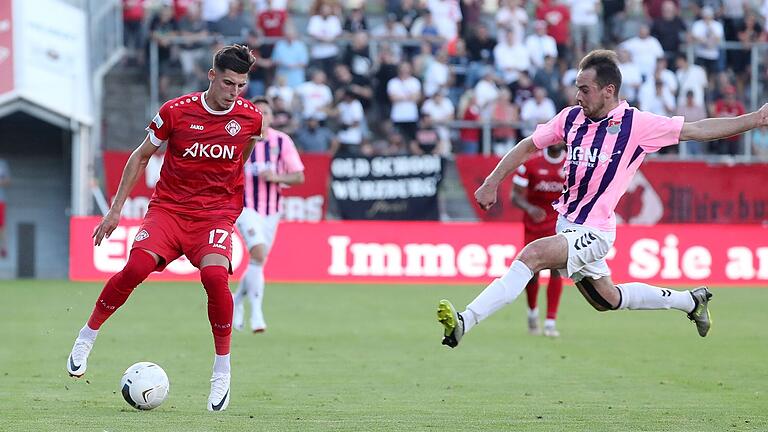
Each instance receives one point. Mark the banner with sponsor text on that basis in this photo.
(448, 253)
(661, 192)
(304, 202)
(387, 187)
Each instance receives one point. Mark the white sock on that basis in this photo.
(549, 323)
(500, 292)
(637, 295)
(221, 364)
(254, 288)
(88, 333)
(533, 313)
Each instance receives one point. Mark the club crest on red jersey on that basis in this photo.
(142, 235)
(232, 127)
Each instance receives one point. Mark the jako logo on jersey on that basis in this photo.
(196, 127)
(232, 127)
(142, 235)
(216, 151)
(581, 155)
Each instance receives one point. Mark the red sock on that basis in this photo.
(532, 291)
(554, 291)
(216, 283)
(120, 286)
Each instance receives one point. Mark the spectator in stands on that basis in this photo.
(666, 76)
(162, 30)
(193, 50)
(540, 45)
(357, 56)
(537, 110)
(690, 77)
(5, 180)
(392, 32)
(422, 60)
(133, 31)
(707, 34)
(627, 23)
(441, 110)
(480, 48)
(386, 70)
(469, 136)
(427, 140)
(437, 75)
(325, 28)
(471, 11)
(510, 17)
(313, 137)
(261, 70)
(511, 57)
(281, 91)
(359, 86)
(407, 13)
(732, 15)
(485, 92)
(728, 106)
(749, 32)
(458, 62)
(235, 25)
(612, 10)
(585, 30)
(692, 111)
(424, 28)
(213, 11)
(271, 21)
(523, 89)
(760, 143)
(670, 30)
(558, 18)
(657, 99)
(291, 58)
(404, 92)
(446, 15)
(355, 21)
(548, 77)
(282, 116)
(645, 50)
(503, 113)
(351, 120)
(315, 97)
(631, 77)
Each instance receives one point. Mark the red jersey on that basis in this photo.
(542, 177)
(202, 173)
(558, 18)
(724, 108)
(272, 22)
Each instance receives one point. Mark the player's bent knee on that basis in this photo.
(593, 296)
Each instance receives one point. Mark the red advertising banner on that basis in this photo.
(661, 192)
(434, 252)
(6, 47)
(304, 202)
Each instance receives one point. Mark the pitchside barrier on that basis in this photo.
(449, 253)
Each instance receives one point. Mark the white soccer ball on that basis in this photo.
(144, 385)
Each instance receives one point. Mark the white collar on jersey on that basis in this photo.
(211, 110)
(552, 160)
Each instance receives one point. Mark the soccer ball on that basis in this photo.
(144, 385)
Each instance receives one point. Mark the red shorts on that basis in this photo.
(172, 236)
(2, 214)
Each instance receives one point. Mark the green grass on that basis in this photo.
(367, 358)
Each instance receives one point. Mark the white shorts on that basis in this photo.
(257, 229)
(587, 249)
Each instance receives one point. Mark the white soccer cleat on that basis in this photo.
(551, 331)
(78, 358)
(218, 400)
(533, 325)
(257, 324)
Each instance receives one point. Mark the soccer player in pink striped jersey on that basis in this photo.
(274, 164)
(607, 141)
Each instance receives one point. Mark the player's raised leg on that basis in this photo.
(603, 295)
(547, 252)
(214, 275)
(116, 291)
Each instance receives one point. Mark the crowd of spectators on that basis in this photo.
(419, 76)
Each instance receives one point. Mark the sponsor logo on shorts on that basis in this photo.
(142, 235)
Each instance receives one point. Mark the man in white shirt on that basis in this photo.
(511, 57)
(708, 35)
(631, 78)
(536, 110)
(315, 96)
(351, 118)
(584, 25)
(442, 111)
(446, 15)
(404, 92)
(645, 50)
(325, 29)
(692, 78)
(540, 44)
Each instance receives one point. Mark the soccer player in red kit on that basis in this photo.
(537, 183)
(199, 196)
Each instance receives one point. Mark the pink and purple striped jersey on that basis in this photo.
(278, 153)
(602, 157)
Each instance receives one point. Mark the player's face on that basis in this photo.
(225, 86)
(266, 113)
(590, 96)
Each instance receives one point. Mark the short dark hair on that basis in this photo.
(606, 66)
(261, 100)
(237, 58)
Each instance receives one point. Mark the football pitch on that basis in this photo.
(368, 358)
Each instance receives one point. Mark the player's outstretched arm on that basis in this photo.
(133, 169)
(486, 194)
(717, 128)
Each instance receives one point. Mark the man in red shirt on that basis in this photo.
(271, 21)
(537, 183)
(728, 106)
(199, 196)
(558, 18)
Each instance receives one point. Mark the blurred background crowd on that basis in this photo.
(456, 76)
